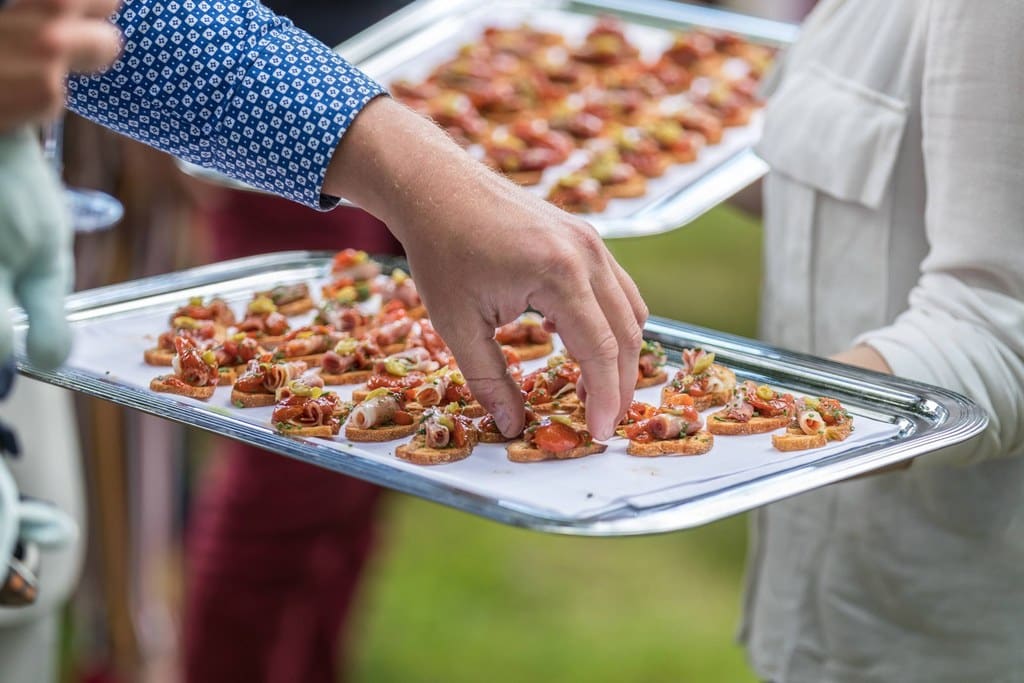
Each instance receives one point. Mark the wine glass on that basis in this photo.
(90, 210)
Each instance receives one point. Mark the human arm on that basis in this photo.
(964, 328)
(482, 250)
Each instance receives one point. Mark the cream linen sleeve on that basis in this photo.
(964, 329)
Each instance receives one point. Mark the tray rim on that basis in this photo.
(670, 212)
(938, 417)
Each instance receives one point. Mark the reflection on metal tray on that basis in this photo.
(412, 39)
(606, 495)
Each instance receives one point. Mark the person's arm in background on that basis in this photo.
(40, 41)
(964, 328)
(243, 91)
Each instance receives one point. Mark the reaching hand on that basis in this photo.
(36, 263)
(40, 42)
(482, 250)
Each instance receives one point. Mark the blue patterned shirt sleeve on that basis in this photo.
(230, 86)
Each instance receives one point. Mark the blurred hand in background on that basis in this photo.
(40, 42)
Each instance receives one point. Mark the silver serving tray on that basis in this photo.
(399, 40)
(909, 419)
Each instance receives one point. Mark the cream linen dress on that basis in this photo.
(895, 217)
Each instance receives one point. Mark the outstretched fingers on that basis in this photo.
(471, 339)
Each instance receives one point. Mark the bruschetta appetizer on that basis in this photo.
(553, 437)
(652, 365)
(392, 330)
(257, 386)
(488, 430)
(637, 412)
(527, 336)
(381, 416)
(641, 151)
(553, 389)
(700, 120)
(350, 361)
(264, 323)
(518, 160)
(400, 288)
(578, 193)
(343, 317)
(618, 179)
(753, 409)
(195, 372)
(233, 355)
(314, 414)
(355, 265)
(203, 332)
(443, 436)
(816, 422)
(290, 299)
(580, 124)
(446, 386)
(399, 372)
(424, 336)
(681, 145)
(673, 430)
(309, 343)
(607, 45)
(215, 310)
(707, 382)
(523, 41)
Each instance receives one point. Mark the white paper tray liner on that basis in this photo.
(414, 60)
(571, 489)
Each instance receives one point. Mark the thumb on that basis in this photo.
(41, 291)
(482, 363)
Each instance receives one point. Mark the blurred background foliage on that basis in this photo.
(455, 598)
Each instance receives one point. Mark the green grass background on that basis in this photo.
(455, 598)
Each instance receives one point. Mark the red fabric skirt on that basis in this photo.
(276, 546)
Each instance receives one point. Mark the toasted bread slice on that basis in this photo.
(657, 379)
(839, 432)
(495, 437)
(158, 357)
(685, 157)
(533, 351)
(567, 403)
(701, 403)
(359, 395)
(320, 431)
(201, 393)
(244, 399)
(380, 434)
(473, 410)
(697, 444)
(719, 424)
(634, 187)
(416, 452)
(352, 377)
(520, 451)
(297, 307)
(795, 440)
(227, 376)
(525, 178)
